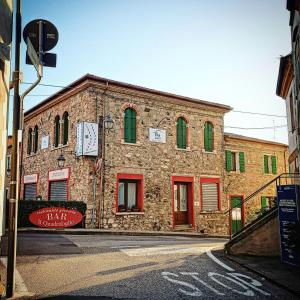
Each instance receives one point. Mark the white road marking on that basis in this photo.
(20, 284)
(195, 275)
(208, 252)
(165, 250)
(195, 291)
(247, 291)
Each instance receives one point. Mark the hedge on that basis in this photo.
(29, 206)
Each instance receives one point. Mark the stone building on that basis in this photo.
(250, 164)
(141, 159)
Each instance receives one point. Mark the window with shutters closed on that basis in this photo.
(208, 137)
(270, 164)
(30, 191)
(56, 131)
(36, 139)
(58, 190)
(210, 194)
(130, 125)
(65, 128)
(181, 133)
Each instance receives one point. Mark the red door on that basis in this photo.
(180, 203)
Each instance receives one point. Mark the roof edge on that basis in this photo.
(109, 82)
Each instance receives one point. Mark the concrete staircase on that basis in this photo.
(259, 238)
(183, 228)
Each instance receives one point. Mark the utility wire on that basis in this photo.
(249, 128)
(235, 111)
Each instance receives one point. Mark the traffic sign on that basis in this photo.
(34, 57)
(49, 38)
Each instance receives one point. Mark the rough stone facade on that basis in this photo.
(243, 184)
(158, 166)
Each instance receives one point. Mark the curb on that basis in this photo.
(262, 275)
(120, 232)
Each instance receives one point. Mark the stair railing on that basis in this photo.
(243, 214)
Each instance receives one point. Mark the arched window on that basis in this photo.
(29, 141)
(65, 128)
(130, 125)
(208, 137)
(36, 139)
(56, 131)
(181, 133)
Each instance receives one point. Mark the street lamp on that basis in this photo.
(108, 122)
(61, 160)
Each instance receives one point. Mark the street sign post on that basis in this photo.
(43, 36)
(34, 57)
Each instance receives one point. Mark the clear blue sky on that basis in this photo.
(222, 51)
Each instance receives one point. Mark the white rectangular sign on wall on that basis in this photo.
(157, 135)
(45, 142)
(87, 139)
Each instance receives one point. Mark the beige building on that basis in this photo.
(140, 159)
(250, 164)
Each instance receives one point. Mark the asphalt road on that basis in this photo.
(134, 267)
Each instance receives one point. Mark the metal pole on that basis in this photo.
(14, 164)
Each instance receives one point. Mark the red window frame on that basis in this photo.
(140, 187)
(210, 180)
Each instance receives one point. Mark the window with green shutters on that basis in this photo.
(29, 141)
(66, 128)
(208, 137)
(181, 133)
(56, 131)
(233, 160)
(270, 164)
(130, 125)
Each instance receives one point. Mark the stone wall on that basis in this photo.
(263, 241)
(159, 162)
(80, 107)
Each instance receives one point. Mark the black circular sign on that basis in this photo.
(50, 34)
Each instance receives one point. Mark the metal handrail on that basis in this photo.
(288, 175)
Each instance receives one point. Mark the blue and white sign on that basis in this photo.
(287, 196)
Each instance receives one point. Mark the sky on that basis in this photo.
(223, 51)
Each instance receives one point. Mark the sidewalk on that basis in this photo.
(283, 275)
(119, 232)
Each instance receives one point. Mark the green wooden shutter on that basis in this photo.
(133, 126)
(242, 161)
(181, 133)
(208, 137)
(130, 126)
(274, 165)
(263, 202)
(57, 131)
(266, 165)
(228, 160)
(36, 139)
(127, 120)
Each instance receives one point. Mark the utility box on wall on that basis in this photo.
(87, 139)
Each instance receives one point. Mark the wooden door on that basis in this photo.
(180, 203)
(236, 214)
